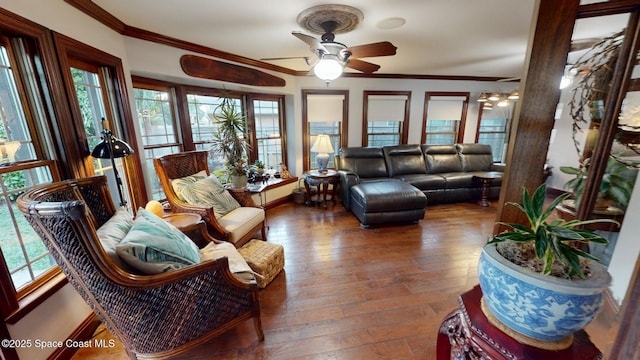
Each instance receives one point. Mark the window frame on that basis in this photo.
(459, 136)
(306, 137)
(404, 124)
(507, 129)
(46, 138)
(251, 123)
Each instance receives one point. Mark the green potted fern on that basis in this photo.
(536, 280)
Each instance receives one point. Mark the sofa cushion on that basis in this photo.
(458, 180)
(475, 157)
(239, 221)
(424, 182)
(404, 159)
(179, 184)
(112, 232)
(441, 158)
(209, 192)
(154, 246)
(364, 161)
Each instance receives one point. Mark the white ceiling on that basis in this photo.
(485, 38)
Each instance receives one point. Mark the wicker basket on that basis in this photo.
(266, 259)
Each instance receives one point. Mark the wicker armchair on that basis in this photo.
(175, 166)
(154, 316)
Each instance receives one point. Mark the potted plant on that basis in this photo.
(229, 140)
(537, 283)
(615, 187)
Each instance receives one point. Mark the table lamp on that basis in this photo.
(112, 148)
(323, 147)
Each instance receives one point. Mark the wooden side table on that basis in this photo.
(322, 180)
(467, 334)
(485, 179)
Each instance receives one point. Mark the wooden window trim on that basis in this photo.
(404, 133)
(463, 118)
(344, 133)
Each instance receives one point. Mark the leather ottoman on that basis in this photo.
(381, 202)
(266, 259)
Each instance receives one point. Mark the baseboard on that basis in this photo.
(83, 332)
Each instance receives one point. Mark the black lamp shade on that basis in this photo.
(120, 149)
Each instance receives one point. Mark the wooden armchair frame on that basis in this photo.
(154, 316)
(175, 166)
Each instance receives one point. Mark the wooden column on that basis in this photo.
(549, 44)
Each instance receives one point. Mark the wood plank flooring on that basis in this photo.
(353, 293)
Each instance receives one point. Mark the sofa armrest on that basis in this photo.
(498, 167)
(347, 180)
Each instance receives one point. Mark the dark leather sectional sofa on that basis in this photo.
(444, 173)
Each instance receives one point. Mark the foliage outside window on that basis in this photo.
(158, 129)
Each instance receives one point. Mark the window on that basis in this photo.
(158, 128)
(202, 108)
(386, 117)
(324, 112)
(444, 117)
(268, 144)
(493, 128)
(26, 267)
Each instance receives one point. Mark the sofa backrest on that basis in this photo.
(404, 159)
(475, 157)
(441, 158)
(367, 162)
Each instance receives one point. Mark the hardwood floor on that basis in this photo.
(353, 293)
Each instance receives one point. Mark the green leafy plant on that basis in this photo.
(229, 138)
(553, 241)
(614, 188)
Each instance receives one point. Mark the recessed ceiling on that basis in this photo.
(485, 38)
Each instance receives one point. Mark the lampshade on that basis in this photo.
(483, 97)
(487, 106)
(8, 150)
(514, 95)
(328, 68)
(495, 96)
(103, 150)
(322, 144)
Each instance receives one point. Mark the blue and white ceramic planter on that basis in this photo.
(541, 307)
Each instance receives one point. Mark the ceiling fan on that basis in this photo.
(327, 48)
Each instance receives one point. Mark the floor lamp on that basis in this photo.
(111, 148)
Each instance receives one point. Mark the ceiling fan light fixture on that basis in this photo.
(328, 68)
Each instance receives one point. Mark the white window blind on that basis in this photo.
(445, 108)
(324, 108)
(386, 107)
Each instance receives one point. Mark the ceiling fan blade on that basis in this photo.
(313, 43)
(364, 66)
(383, 48)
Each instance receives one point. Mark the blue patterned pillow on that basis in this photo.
(112, 232)
(179, 184)
(209, 192)
(153, 246)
